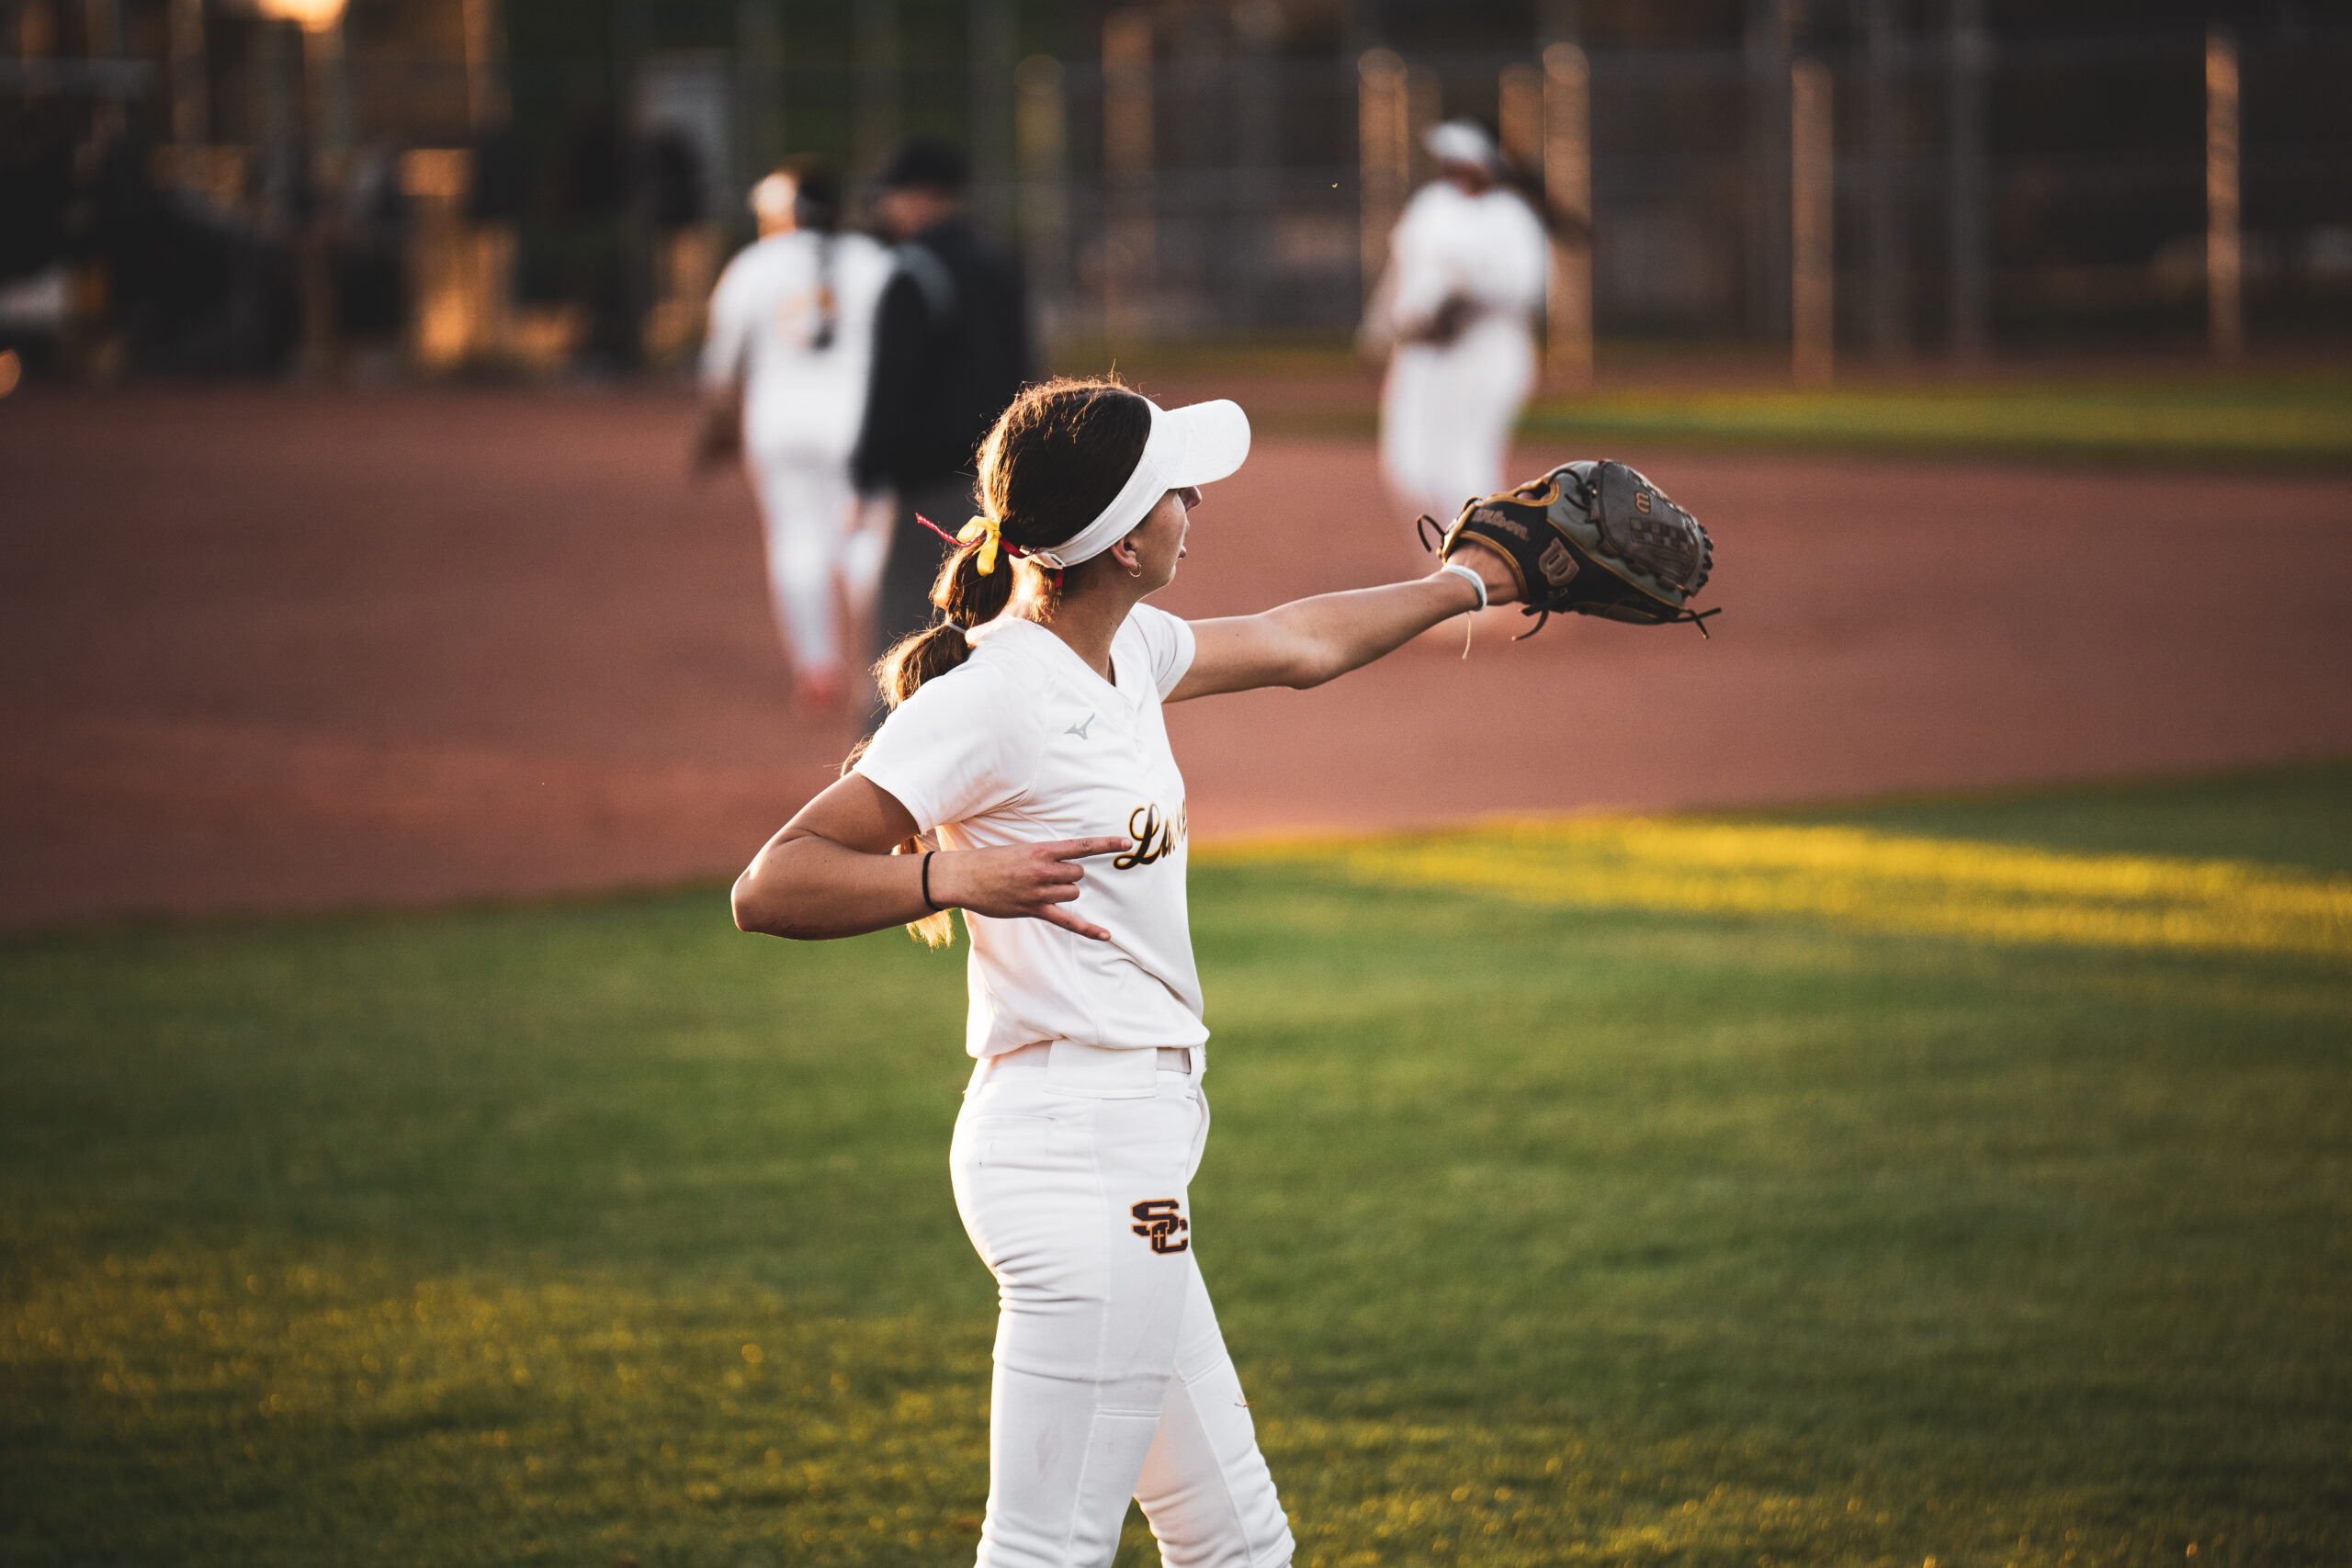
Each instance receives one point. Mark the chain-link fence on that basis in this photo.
(1978, 189)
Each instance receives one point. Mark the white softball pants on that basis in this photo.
(1446, 414)
(1112, 1380)
(809, 507)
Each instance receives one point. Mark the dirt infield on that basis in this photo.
(275, 650)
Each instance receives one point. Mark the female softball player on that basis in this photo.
(1027, 735)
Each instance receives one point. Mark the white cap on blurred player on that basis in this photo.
(772, 198)
(1461, 141)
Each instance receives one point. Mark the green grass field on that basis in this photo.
(1966, 1182)
(2288, 415)
(2299, 419)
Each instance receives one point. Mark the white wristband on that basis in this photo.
(1470, 576)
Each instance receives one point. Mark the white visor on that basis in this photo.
(1196, 445)
(1461, 141)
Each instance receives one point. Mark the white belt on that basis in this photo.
(1100, 1069)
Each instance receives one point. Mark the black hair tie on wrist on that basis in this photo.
(926, 882)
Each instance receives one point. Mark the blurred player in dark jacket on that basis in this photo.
(952, 348)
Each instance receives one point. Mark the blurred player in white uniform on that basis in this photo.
(784, 370)
(1455, 313)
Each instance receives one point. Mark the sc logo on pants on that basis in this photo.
(1157, 1218)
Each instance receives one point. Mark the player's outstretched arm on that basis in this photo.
(1309, 641)
(830, 873)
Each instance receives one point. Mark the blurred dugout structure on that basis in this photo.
(203, 185)
(538, 182)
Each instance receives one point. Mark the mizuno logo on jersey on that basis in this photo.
(1155, 837)
(1157, 1218)
(1080, 728)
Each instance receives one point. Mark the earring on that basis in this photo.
(1138, 570)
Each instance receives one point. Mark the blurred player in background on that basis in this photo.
(951, 349)
(1455, 315)
(785, 371)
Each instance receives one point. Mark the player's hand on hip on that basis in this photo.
(1020, 881)
(718, 437)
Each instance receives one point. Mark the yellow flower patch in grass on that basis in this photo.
(1863, 879)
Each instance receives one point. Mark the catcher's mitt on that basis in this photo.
(1594, 537)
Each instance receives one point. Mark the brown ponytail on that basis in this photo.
(1527, 183)
(1055, 459)
(967, 597)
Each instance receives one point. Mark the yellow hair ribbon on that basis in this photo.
(984, 530)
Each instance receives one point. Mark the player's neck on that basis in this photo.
(1087, 618)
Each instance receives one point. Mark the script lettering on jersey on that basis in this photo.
(1155, 837)
(1157, 1218)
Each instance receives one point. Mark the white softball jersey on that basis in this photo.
(1488, 248)
(1022, 743)
(804, 383)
